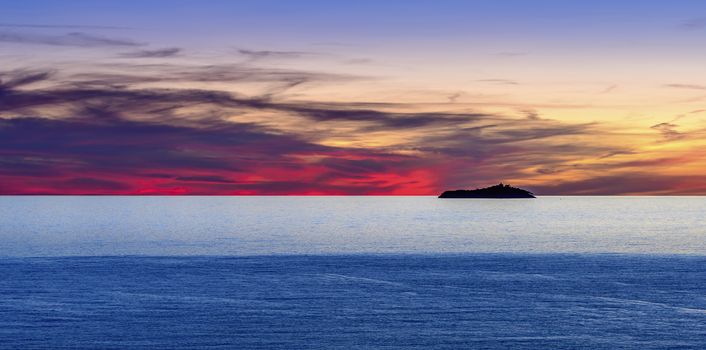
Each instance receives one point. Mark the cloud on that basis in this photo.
(499, 81)
(159, 53)
(616, 153)
(124, 137)
(204, 178)
(455, 96)
(100, 87)
(694, 23)
(131, 74)
(609, 89)
(64, 26)
(92, 184)
(77, 39)
(116, 150)
(668, 131)
(20, 78)
(532, 114)
(377, 120)
(269, 54)
(512, 54)
(359, 61)
(56, 136)
(687, 86)
(104, 139)
(632, 183)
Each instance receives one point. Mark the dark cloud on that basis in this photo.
(355, 166)
(20, 78)
(164, 73)
(91, 184)
(532, 115)
(113, 143)
(616, 153)
(159, 53)
(118, 150)
(26, 166)
(668, 131)
(302, 187)
(108, 87)
(204, 178)
(77, 39)
(540, 131)
(379, 120)
(621, 184)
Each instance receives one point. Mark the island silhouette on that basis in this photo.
(497, 191)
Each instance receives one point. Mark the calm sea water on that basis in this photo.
(69, 226)
(352, 273)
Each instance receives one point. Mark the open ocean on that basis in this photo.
(352, 273)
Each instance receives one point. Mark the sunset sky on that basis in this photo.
(355, 97)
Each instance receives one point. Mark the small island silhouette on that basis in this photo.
(497, 191)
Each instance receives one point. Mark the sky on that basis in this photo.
(352, 97)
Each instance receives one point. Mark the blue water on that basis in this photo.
(352, 273)
(486, 301)
(67, 226)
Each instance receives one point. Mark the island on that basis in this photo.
(497, 191)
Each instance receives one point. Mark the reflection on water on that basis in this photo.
(89, 226)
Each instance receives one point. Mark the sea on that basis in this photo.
(352, 272)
